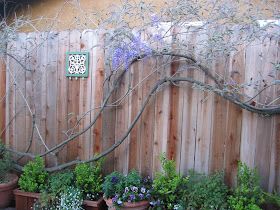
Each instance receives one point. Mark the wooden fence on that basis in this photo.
(199, 130)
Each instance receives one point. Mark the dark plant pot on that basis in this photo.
(270, 207)
(6, 190)
(140, 205)
(94, 205)
(25, 200)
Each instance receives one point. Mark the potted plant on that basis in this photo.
(89, 180)
(126, 192)
(8, 181)
(58, 184)
(168, 187)
(31, 183)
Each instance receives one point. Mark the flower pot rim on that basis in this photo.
(131, 204)
(10, 184)
(90, 202)
(26, 194)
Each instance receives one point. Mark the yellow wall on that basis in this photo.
(61, 14)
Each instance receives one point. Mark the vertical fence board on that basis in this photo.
(31, 65)
(204, 121)
(249, 124)
(88, 40)
(98, 94)
(147, 118)
(134, 107)
(121, 153)
(2, 99)
(219, 118)
(234, 119)
(73, 101)
(20, 77)
(51, 94)
(161, 131)
(265, 124)
(62, 89)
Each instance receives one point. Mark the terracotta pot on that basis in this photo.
(140, 205)
(94, 205)
(6, 190)
(25, 200)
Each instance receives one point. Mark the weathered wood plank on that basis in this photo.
(108, 121)
(234, 119)
(265, 124)
(249, 124)
(161, 131)
(51, 95)
(134, 106)
(62, 89)
(20, 105)
(73, 101)
(121, 153)
(31, 65)
(88, 40)
(98, 74)
(147, 118)
(2, 98)
(219, 118)
(204, 120)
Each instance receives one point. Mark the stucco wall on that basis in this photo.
(61, 14)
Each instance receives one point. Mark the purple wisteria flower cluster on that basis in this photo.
(127, 51)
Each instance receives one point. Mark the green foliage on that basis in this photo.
(248, 194)
(34, 177)
(113, 184)
(272, 198)
(206, 192)
(89, 180)
(133, 179)
(168, 186)
(5, 163)
(58, 182)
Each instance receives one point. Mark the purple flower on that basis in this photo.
(124, 53)
(143, 189)
(141, 196)
(132, 197)
(114, 200)
(114, 180)
(148, 195)
(157, 38)
(155, 20)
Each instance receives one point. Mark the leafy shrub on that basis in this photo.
(89, 180)
(248, 194)
(113, 184)
(272, 199)
(206, 192)
(59, 182)
(5, 163)
(34, 177)
(168, 186)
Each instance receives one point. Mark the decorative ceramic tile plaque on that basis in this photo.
(77, 64)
